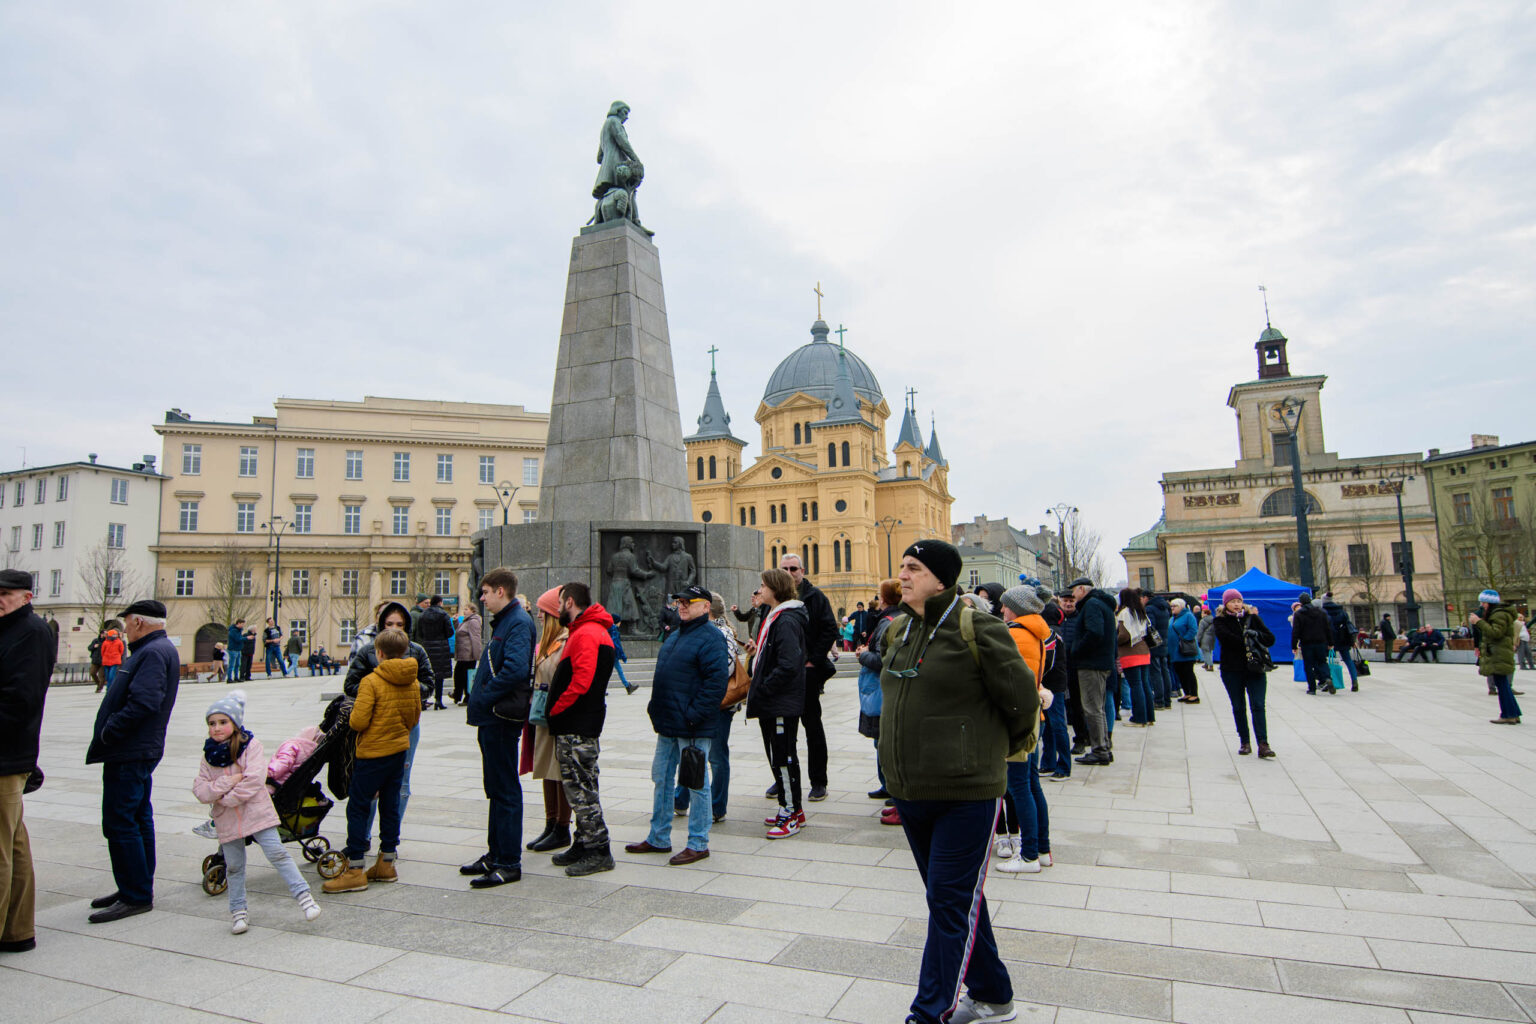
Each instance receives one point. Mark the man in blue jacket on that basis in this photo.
(693, 668)
(1093, 655)
(128, 742)
(498, 707)
(234, 650)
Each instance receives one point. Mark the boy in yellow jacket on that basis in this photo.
(388, 706)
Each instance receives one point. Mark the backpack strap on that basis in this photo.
(968, 631)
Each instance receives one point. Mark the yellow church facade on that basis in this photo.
(826, 487)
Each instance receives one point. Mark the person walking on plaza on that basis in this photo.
(1183, 646)
(541, 761)
(468, 643)
(434, 632)
(113, 651)
(1093, 655)
(128, 741)
(1245, 641)
(777, 695)
(232, 780)
(1496, 631)
(577, 707)
(720, 730)
(693, 669)
(247, 655)
(958, 699)
(27, 657)
(94, 650)
(820, 635)
(387, 708)
(1032, 635)
(498, 707)
(272, 643)
(291, 651)
(1388, 637)
(1311, 636)
(1342, 638)
(1135, 655)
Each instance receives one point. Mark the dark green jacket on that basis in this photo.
(1496, 636)
(944, 733)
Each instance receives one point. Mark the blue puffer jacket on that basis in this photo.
(505, 671)
(692, 670)
(1159, 614)
(1183, 627)
(135, 710)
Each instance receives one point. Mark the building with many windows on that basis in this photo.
(1218, 523)
(993, 551)
(826, 487)
(1485, 511)
(330, 507)
(84, 530)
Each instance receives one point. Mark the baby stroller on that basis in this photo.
(301, 806)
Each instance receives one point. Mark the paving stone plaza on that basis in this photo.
(1383, 868)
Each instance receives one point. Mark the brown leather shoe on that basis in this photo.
(688, 856)
(1245, 749)
(382, 871)
(645, 847)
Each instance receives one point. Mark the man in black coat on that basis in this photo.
(1311, 636)
(1343, 637)
(433, 631)
(1093, 655)
(820, 634)
(128, 742)
(26, 662)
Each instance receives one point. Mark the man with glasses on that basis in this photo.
(820, 635)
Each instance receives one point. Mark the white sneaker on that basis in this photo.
(1045, 859)
(240, 923)
(308, 905)
(1014, 865)
(971, 1012)
(1002, 847)
(208, 830)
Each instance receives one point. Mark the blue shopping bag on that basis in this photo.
(1336, 670)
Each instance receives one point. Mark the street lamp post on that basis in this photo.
(889, 523)
(1062, 512)
(1290, 414)
(506, 494)
(1397, 479)
(277, 561)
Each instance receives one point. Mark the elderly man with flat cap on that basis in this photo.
(128, 742)
(26, 662)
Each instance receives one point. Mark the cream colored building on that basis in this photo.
(826, 487)
(85, 531)
(1218, 523)
(368, 500)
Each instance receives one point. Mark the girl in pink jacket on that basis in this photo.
(233, 780)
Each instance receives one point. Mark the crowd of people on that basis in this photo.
(970, 699)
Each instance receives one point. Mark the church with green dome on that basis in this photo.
(826, 486)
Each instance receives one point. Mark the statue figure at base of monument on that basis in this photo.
(678, 567)
(626, 601)
(619, 172)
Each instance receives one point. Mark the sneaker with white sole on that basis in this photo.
(1002, 847)
(1018, 865)
(972, 1012)
(240, 923)
(207, 830)
(1045, 859)
(308, 905)
(787, 825)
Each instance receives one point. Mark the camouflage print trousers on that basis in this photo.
(577, 758)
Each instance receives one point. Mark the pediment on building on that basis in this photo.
(761, 473)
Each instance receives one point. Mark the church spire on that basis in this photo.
(844, 405)
(715, 423)
(911, 433)
(933, 451)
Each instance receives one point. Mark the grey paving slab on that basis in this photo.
(582, 1001)
(136, 1010)
(1206, 1004)
(37, 997)
(1212, 968)
(761, 985)
(451, 980)
(1392, 988)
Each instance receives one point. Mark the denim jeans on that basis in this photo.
(669, 753)
(272, 846)
(275, 657)
(1029, 802)
(374, 777)
(1160, 679)
(1058, 750)
(951, 841)
(498, 766)
(1347, 656)
(128, 822)
(1508, 706)
(719, 766)
(233, 658)
(405, 780)
(1136, 677)
(109, 673)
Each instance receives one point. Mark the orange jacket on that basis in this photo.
(111, 649)
(1030, 633)
(388, 707)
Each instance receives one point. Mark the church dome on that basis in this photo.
(812, 369)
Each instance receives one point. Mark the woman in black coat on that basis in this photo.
(777, 694)
(1245, 684)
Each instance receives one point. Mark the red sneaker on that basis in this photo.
(775, 819)
(787, 825)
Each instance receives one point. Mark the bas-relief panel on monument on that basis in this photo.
(641, 568)
(1211, 500)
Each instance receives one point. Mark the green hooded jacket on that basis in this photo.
(946, 731)
(1496, 636)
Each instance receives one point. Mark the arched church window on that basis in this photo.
(701, 467)
(845, 453)
(711, 467)
(1283, 503)
(797, 433)
(831, 454)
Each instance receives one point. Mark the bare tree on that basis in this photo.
(232, 588)
(1084, 549)
(1364, 564)
(105, 576)
(1490, 549)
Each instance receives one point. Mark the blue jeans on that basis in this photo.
(669, 753)
(272, 846)
(951, 841)
(234, 665)
(719, 766)
(1348, 657)
(1029, 802)
(1508, 706)
(128, 822)
(1058, 749)
(405, 779)
(1141, 693)
(374, 777)
(275, 657)
(1161, 680)
(109, 673)
(498, 766)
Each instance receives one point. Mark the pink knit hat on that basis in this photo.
(549, 601)
(1228, 595)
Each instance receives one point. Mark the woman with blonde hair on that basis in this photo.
(546, 658)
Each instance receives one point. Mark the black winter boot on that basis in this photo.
(533, 844)
(596, 858)
(558, 837)
(568, 857)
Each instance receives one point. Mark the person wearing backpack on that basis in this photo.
(1243, 659)
(1343, 637)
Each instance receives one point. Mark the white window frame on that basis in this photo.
(250, 461)
(530, 515)
(42, 491)
(245, 517)
(486, 518)
(186, 521)
(62, 494)
(443, 521)
(348, 632)
(300, 629)
(58, 533)
(442, 583)
(119, 491)
(37, 536)
(191, 460)
(298, 583)
(397, 582)
(488, 469)
(303, 518)
(56, 583)
(114, 583)
(352, 519)
(350, 582)
(445, 468)
(186, 582)
(354, 463)
(304, 463)
(400, 520)
(402, 467)
(116, 532)
(530, 472)
(244, 582)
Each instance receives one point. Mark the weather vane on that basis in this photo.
(1266, 304)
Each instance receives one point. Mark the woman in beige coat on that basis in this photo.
(557, 809)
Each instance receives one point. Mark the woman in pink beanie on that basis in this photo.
(1245, 681)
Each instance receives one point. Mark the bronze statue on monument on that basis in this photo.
(619, 172)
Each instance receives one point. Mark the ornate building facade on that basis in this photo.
(826, 487)
(1218, 523)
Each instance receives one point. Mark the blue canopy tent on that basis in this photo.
(1273, 599)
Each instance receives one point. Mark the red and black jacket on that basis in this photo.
(577, 705)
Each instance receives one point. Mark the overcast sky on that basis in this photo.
(1049, 219)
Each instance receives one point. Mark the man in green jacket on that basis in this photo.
(957, 699)
(1496, 632)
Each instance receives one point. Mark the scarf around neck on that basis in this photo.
(217, 754)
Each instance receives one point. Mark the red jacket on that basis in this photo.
(576, 694)
(111, 649)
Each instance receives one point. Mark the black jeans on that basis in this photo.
(815, 737)
(128, 822)
(1314, 659)
(461, 671)
(374, 777)
(1246, 689)
(779, 744)
(498, 765)
(1184, 672)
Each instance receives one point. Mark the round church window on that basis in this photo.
(841, 506)
(776, 472)
(706, 516)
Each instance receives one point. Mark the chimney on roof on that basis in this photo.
(138, 467)
(1485, 440)
(1433, 452)
(149, 462)
(92, 457)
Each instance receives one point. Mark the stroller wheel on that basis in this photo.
(212, 859)
(308, 848)
(331, 864)
(214, 881)
(325, 844)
